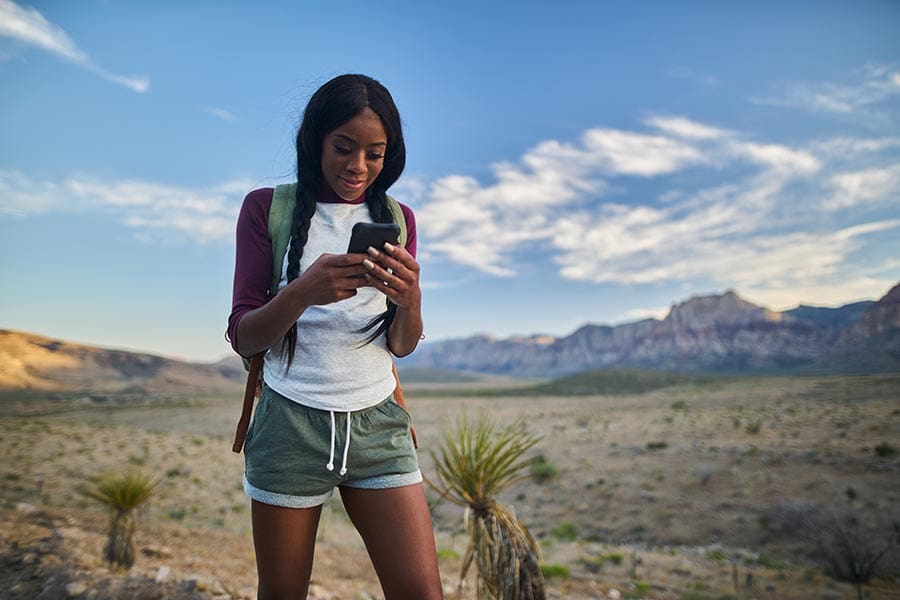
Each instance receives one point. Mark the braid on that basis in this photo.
(304, 210)
(377, 202)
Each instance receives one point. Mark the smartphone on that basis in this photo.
(372, 234)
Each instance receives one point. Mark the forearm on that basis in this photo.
(263, 327)
(406, 330)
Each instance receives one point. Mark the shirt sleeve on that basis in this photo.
(411, 237)
(253, 259)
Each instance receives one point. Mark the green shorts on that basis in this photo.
(295, 456)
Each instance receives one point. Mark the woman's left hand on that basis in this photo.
(395, 273)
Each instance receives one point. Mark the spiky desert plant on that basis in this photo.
(477, 461)
(123, 494)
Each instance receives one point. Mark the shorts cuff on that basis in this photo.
(285, 500)
(385, 482)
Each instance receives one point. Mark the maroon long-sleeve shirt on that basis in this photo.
(253, 254)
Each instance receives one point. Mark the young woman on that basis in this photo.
(326, 417)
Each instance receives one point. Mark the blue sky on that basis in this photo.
(568, 162)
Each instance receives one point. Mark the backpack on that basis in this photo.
(281, 212)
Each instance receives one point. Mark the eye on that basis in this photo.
(341, 150)
(375, 156)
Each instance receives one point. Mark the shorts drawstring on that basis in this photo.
(330, 465)
(346, 447)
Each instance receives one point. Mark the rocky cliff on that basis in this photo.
(715, 333)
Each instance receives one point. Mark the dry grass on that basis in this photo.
(686, 485)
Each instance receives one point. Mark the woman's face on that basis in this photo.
(353, 155)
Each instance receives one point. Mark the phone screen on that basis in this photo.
(372, 234)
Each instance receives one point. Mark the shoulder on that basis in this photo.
(260, 198)
(254, 214)
(408, 215)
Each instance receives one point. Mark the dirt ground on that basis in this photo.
(682, 493)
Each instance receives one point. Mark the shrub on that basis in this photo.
(542, 469)
(885, 450)
(679, 405)
(123, 495)
(475, 463)
(566, 532)
(662, 445)
(753, 427)
(555, 571)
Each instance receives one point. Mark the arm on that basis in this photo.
(403, 288)
(254, 324)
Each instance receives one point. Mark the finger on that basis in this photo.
(380, 274)
(402, 255)
(391, 265)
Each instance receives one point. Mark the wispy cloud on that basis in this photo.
(759, 229)
(873, 85)
(682, 72)
(220, 113)
(29, 26)
(154, 210)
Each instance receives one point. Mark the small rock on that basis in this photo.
(317, 592)
(614, 594)
(162, 574)
(199, 583)
(75, 589)
(364, 595)
(157, 552)
(24, 507)
(29, 558)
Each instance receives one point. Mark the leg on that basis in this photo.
(396, 527)
(284, 539)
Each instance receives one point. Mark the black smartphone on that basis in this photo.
(372, 234)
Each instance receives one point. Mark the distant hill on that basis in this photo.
(712, 334)
(721, 333)
(42, 364)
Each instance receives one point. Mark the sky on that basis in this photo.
(568, 162)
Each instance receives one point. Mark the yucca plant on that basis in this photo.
(475, 463)
(123, 494)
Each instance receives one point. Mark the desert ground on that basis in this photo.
(688, 492)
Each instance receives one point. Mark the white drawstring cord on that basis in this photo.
(346, 447)
(330, 465)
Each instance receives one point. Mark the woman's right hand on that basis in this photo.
(331, 278)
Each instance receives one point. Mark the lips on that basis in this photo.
(353, 185)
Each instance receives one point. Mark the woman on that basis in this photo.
(326, 417)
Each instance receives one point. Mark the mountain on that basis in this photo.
(41, 364)
(872, 342)
(720, 333)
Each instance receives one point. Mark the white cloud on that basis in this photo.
(154, 210)
(870, 185)
(682, 72)
(761, 228)
(29, 26)
(875, 84)
(685, 128)
(220, 113)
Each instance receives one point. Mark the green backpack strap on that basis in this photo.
(280, 215)
(282, 212)
(399, 219)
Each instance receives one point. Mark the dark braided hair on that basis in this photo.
(332, 105)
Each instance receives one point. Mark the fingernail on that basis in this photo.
(368, 264)
(388, 246)
(373, 251)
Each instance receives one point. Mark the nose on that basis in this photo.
(357, 162)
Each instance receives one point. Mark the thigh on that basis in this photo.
(396, 527)
(284, 540)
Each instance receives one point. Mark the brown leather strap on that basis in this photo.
(249, 395)
(398, 396)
